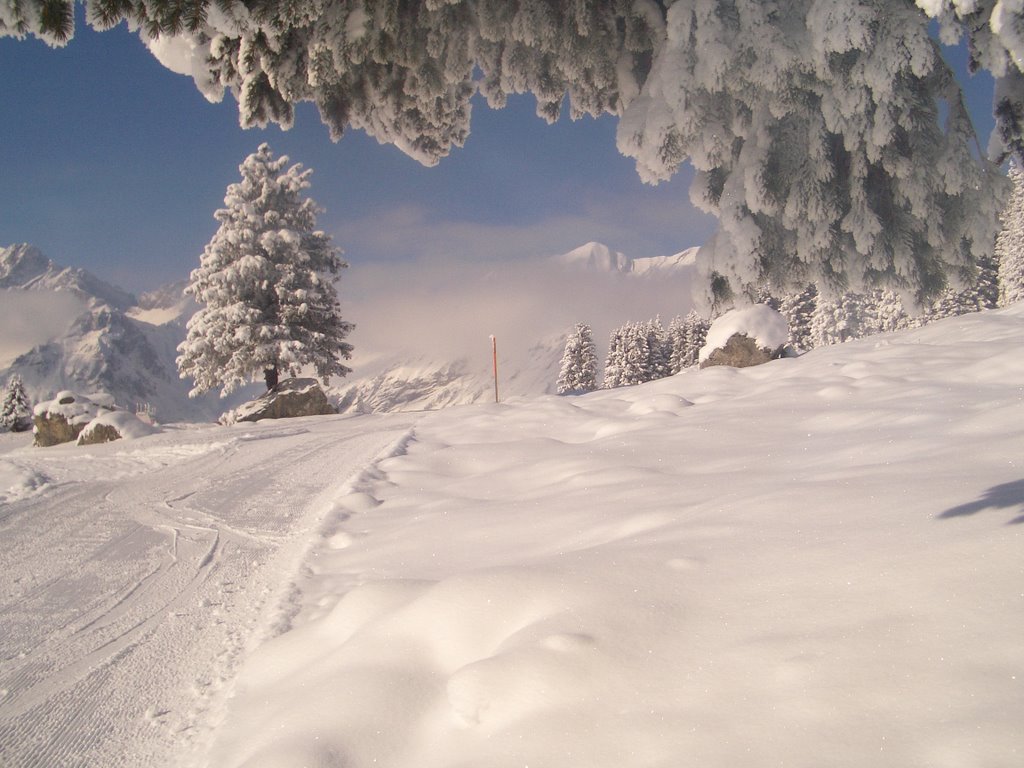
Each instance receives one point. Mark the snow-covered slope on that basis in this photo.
(69, 330)
(812, 562)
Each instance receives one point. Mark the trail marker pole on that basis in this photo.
(494, 354)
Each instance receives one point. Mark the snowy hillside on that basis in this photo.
(813, 562)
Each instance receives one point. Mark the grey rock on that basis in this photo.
(63, 419)
(289, 399)
(741, 351)
(99, 433)
(53, 429)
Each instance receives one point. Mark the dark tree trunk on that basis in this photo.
(270, 376)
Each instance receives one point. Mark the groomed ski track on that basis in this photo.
(134, 583)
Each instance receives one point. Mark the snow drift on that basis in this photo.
(816, 561)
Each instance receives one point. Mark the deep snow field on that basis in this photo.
(816, 562)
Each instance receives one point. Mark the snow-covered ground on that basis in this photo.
(816, 562)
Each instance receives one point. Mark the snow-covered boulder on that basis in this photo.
(744, 337)
(290, 398)
(114, 425)
(86, 419)
(62, 419)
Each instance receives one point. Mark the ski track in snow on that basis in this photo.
(135, 579)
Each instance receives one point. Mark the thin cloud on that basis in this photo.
(412, 232)
(31, 318)
(445, 308)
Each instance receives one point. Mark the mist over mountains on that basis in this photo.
(422, 337)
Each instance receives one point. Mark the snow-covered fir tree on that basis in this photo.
(798, 309)
(636, 357)
(829, 137)
(1010, 243)
(883, 312)
(676, 340)
(695, 333)
(659, 350)
(764, 295)
(615, 361)
(16, 410)
(981, 293)
(266, 283)
(578, 372)
(810, 182)
(837, 320)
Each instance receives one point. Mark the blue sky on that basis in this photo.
(113, 163)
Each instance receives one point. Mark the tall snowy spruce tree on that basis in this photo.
(798, 309)
(1010, 243)
(615, 362)
(266, 283)
(675, 338)
(695, 333)
(829, 137)
(16, 410)
(579, 363)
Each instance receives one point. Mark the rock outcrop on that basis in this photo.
(289, 399)
(85, 420)
(741, 351)
(744, 337)
(94, 434)
(62, 419)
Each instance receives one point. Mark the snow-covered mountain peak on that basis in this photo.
(167, 304)
(653, 264)
(597, 256)
(25, 267)
(67, 329)
(21, 264)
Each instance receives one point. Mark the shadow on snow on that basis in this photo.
(1002, 496)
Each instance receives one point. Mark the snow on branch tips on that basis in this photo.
(829, 136)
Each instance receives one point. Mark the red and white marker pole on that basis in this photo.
(494, 354)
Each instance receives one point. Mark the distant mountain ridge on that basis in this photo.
(601, 258)
(115, 342)
(26, 268)
(103, 347)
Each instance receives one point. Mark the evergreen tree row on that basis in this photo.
(815, 321)
(637, 352)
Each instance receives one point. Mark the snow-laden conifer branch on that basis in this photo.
(829, 136)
